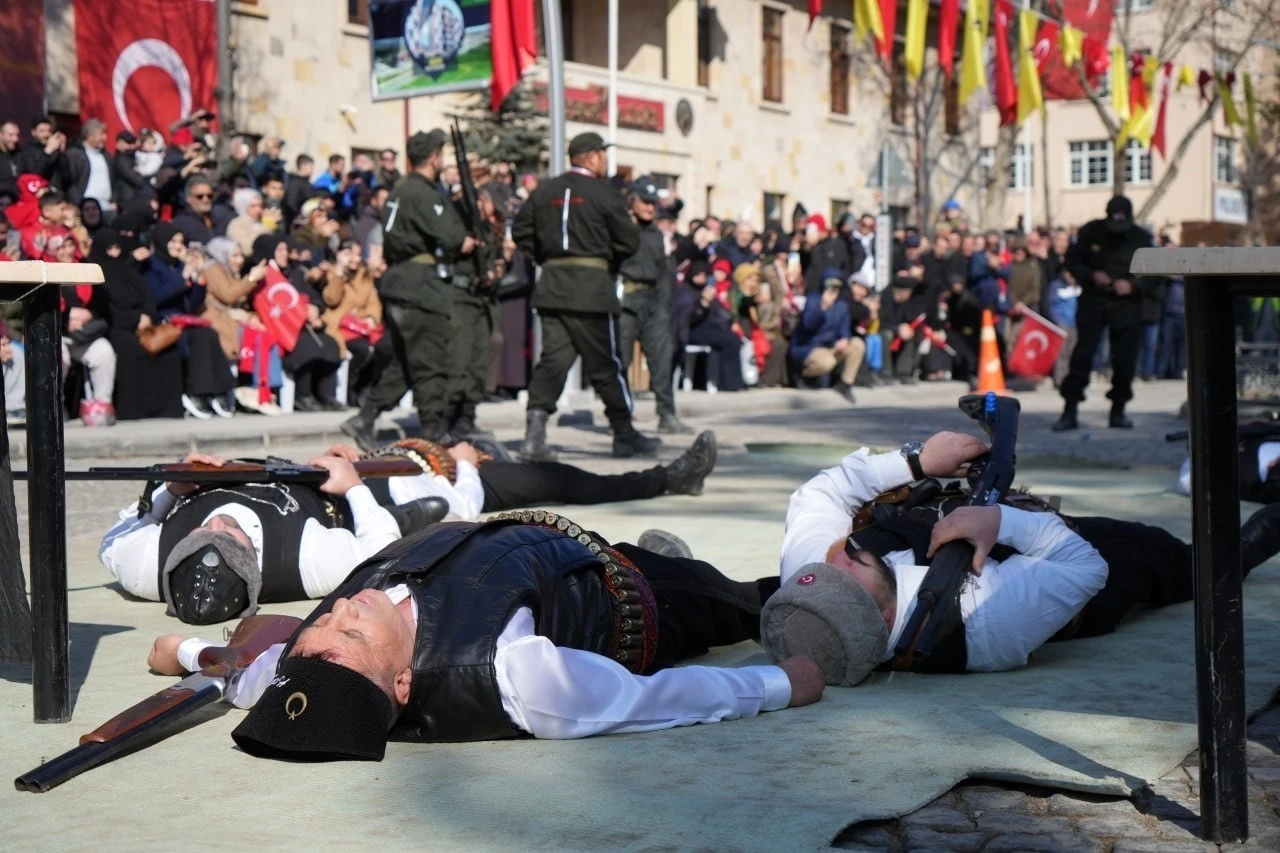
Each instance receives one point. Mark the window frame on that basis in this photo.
(705, 16)
(987, 160)
(1138, 160)
(1232, 171)
(772, 54)
(1090, 150)
(361, 18)
(773, 199)
(840, 57)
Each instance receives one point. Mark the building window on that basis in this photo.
(774, 209)
(772, 43)
(1223, 61)
(1133, 5)
(839, 207)
(839, 69)
(1137, 163)
(951, 116)
(898, 97)
(705, 16)
(1225, 170)
(666, 184)
(358, 12)
(1021, 168)
(1089, 163)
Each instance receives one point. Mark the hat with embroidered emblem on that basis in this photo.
(824, 614)
(315, 710)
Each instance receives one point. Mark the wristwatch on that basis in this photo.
(911, 452)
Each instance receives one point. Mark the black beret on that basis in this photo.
(315, 710)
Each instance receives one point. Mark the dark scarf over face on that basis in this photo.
(161, 234)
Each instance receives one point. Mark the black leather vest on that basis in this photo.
(283, 511)
(468, 579)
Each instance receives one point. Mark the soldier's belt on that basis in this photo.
(635, 611)
(574, 261)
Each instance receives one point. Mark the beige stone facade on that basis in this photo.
(1208, 185)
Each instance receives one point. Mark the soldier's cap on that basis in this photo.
(645, 190)
(825, 615)
(315, 710)
(589, 141)
(210, 576)
(1120, 209)
(422, 145)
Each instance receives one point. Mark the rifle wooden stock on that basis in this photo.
(158, 715)
(243, 472)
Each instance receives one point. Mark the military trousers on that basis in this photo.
(420, 362)
(1096, 314)
(645, 317)
(470, 329)
(566, 335)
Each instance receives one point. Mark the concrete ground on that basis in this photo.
(111, 634)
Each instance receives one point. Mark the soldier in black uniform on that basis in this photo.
(576, 226)
(1111, 298)
(423, 238)
(646, 304)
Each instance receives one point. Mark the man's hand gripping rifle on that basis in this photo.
(990, 478)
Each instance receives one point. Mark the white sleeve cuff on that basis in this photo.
(777, 687)
(189, 653)
(887, 471)
(1018, 527)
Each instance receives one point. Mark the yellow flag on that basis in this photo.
(1140, 126)
(1250, 114)
(1229, 112)
(1072, 43)
(1120, 82)
(866, 18)
(1030, 97)
(913, 50)
(1150, 68)
(973, 63)
(1186, 77)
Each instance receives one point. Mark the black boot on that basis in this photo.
(362, 427)
(845, 390)
(437, 431)
(535, 447)
(669, 424)
(1260, 537)
(1068, 419)
(664, 543)
(686, 475)
(419, 514)
(1118, 420)
(628, 442)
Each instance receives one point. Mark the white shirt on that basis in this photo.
(465, 497)
(1008, 612)
(558, 693)
(131, 549)
(99, 185)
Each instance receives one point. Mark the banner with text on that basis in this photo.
(425, 47)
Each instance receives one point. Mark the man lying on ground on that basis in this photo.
(215, 552)
(522, 625)
(1041, 576)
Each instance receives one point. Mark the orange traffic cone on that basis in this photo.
(990, 375)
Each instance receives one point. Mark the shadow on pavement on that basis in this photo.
(84, 644)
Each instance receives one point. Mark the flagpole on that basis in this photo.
(226, 121)
(554, 33)
(613, 87)
(1027, 162)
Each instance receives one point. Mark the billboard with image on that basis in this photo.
(425, 47)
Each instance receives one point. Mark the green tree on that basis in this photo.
(517, 133)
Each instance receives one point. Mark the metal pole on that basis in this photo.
(554, 31)
(1215, 508)
(46, 502)
(1028, 170)
(226, 118)
(613, 87)
(884, 176)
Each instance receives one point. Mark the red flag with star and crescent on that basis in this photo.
(148, 65)
(282, 309)
(1038, 346)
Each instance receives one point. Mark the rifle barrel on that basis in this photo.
(305, 475)
(72, 763)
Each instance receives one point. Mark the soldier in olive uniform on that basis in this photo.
(577, 228)
(475, 313)
(646, 304)
(423, 238)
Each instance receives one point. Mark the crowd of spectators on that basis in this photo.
(193, 249)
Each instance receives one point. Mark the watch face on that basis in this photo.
(911, 447)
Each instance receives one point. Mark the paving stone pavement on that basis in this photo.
(1163, 818)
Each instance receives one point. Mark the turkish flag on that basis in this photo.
(145, 63)
(1006, 90)
(815, 9)
(282, 309)
(1038, 346)
(948, 23)
(513, 44)
(1046, 45)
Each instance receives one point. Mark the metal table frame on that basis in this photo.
(1214, 277)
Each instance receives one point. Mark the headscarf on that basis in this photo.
(92, 221)
(137, 215)
(161, 234)
(264, 249)
(221, 249)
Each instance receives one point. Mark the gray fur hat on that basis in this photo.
(827, 616)
(240, 558)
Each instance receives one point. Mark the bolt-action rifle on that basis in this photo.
(990, 478)
(484, 273)
(159, 715)
(268, 471)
